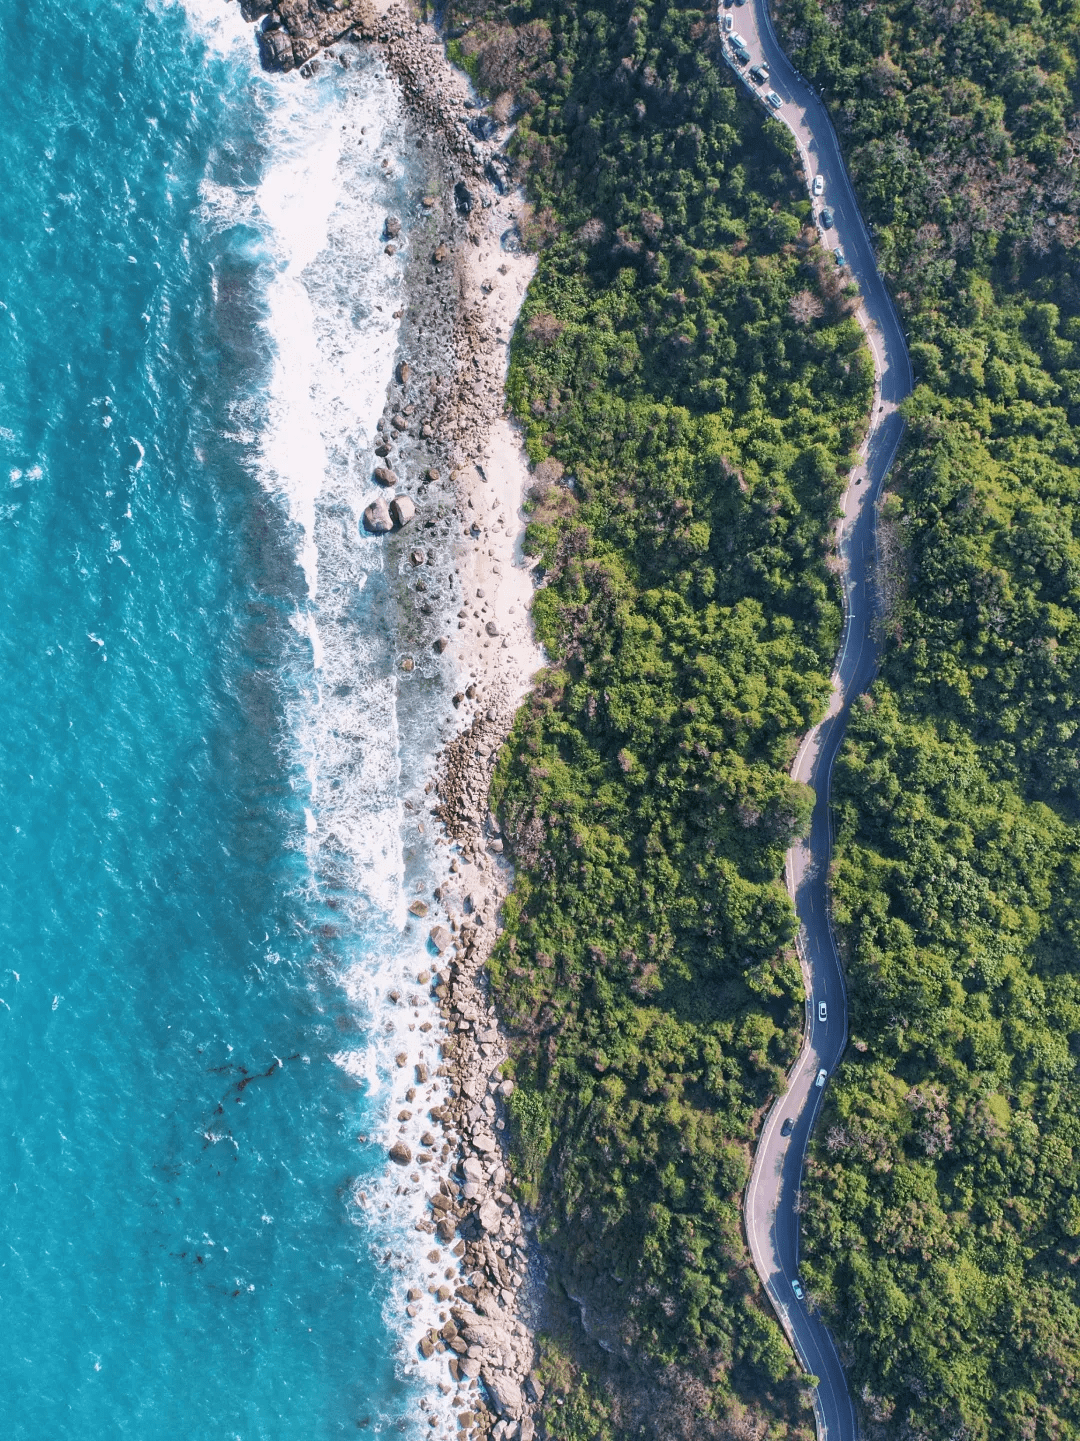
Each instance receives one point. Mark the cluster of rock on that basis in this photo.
(484, 1335)
(470, 150)
(294, 31)
(440, 406)
(379, 517)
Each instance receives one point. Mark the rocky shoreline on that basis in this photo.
(450, 479)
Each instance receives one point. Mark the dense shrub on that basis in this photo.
(692, 388)
(943, 1204)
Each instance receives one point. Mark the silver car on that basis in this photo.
(822, 1077)
(819, 184)
(774, 99)
(822, 1011)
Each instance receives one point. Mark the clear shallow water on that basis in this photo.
(202, 872)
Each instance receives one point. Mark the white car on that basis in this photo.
(796, 1286)
(822, 1077)
(774, 100)
(822, 1011)
(819, 184)
(729, 24)
(735, 40)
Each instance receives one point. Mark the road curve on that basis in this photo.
(771, 1201)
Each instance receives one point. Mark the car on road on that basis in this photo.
(759, 74)
(828, 219)
(788, 1126)
(822, 1011)
(729, 24)
(819, 184)
(841, 258)
(822, 1077)
(796, 1286)
(774, 100)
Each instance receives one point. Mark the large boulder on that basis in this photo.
(385, 476)
(400, 1153)
(377, 517)
(504, 1391)
(276, 49)
(488, 1335)
(490, 1215)
(402, 509)
(440, 937)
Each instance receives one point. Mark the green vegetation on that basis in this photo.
(693, 388)
(942, 1231)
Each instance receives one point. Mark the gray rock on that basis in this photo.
(377, 518)
(440, 938)
(400, 1153)
(385, 476)
(490, 1215)
(484, 1335)
(505, 1393)
(392, 228)
(492, 628)
(402, 509)
(275, 50)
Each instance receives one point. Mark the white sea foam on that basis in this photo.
(221, 26)
(329, 317)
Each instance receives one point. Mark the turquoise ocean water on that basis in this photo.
(202, 873)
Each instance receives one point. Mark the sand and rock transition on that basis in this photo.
(451, 472)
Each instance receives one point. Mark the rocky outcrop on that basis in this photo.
(294, 31)
(377, 517)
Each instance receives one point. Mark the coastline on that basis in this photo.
(483, 1330)
(466, 472)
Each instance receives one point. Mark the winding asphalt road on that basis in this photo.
(771, 1202)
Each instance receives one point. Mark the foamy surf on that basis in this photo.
(338, 164)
